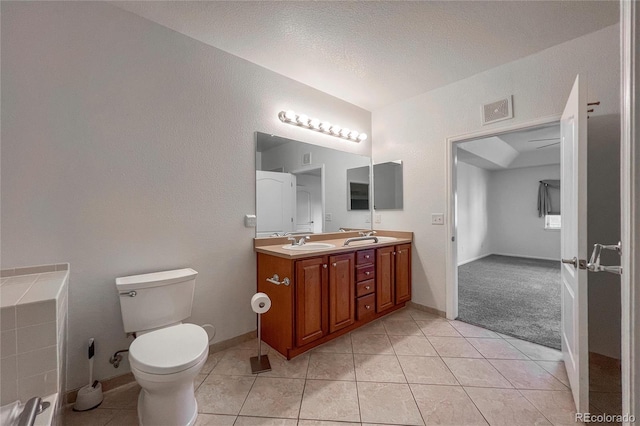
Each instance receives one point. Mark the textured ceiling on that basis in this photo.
(376, 53)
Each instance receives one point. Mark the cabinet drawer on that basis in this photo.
(365, 272)
(365, 287)
(364, 257)
(366, 306)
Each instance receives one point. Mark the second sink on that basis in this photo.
(309, 246)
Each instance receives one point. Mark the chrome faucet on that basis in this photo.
(367, 233)
(299, 242)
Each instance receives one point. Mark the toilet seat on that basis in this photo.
(169, 350)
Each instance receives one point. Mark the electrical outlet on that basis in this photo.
(437, 218)
(378, 218)
(327, 217)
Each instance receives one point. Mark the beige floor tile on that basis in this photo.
(556, 369)
(198, 380)
(402, 328)
(234, 362)
(557, 406)
(212, 360)
(426, 370)
(325, 366)
(330, 400)
(215, 420)
(437, 327)
(341, 345)
(374, 327)
(536, 352)
(505, 407)
(390, 403)
(223, 394)
(125, 418)
(264, 421)
(97, 417)
(423, 316)
(455, 347)
(292, 369)
(496, 348)
(446, 405)
(469, 330)
(526, 375)
(371, 344)
(412, 345)
(123, 397)
(326, 423)
(378, 368)
(476, 372)
(403, 314)
(252, 345)
(274, 397)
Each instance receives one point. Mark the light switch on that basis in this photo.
(327, 217)
(378, 218)
(437, 218)
(250, 221)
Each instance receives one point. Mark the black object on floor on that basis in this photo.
(516, 296)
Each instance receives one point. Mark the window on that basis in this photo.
(552, 221)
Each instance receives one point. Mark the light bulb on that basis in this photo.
(354, 135)
(335, 129)
(314, 123)
(303, 119)
(325, 126)
(362, 137)
(290, 115)
(345, 133)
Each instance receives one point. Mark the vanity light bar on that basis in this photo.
(325, 127)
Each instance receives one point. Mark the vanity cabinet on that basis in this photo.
(317, 298)
(393, 276)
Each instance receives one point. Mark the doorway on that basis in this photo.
(309, 196)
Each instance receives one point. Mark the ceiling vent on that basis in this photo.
(497, 111)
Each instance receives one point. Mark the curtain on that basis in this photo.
(544, 201)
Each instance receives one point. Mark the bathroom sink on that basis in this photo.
(309, 246)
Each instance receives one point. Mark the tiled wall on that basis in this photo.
(33, 327)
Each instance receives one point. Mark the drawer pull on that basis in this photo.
(275, 279)
(367, 287)
(367, 306)
(367, 273)
(394, 253)
(335, 264)
(367, 256)
(400, 251)
(324, 266)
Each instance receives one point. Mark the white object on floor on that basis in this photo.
(167, 355)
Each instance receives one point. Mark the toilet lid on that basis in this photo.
(169, 350)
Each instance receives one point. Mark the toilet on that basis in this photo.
(166, 355)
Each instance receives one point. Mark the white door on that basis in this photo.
(275, 202)
(573, 129)
(304, 211)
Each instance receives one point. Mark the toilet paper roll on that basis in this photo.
(260, 303)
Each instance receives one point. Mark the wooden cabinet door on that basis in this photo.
(385, 282)
(341, 291)
(311, 300)
(403, 273)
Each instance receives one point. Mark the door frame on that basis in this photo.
(305, 169)
(630, 216)
(451, 289)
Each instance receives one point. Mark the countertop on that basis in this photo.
(274, 245)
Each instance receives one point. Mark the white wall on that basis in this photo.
(540, 84)
(129, 148)
(516, 229)
(472, 198)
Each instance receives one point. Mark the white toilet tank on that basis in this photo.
(156, 300)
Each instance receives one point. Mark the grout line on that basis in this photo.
(353, 354)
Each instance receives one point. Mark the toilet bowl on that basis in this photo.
(165, 362)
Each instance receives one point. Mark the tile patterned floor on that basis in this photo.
(410, 368)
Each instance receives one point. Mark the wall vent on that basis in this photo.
(306, 159)
(497, 111)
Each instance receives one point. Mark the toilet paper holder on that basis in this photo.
(275, 279)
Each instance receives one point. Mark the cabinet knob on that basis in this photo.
(367, 273)
(367, 306)
(324, 266)
(400, 251)
(367, 287)
(367, 256)
(394, 253)
(335, 264)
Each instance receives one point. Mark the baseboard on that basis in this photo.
(426, 309)
(126, 378)
(474, 259)
(526, 257)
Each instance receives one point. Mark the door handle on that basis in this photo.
(594, 262)
(573, 262)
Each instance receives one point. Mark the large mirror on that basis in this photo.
(388, 186)
(308, 188)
